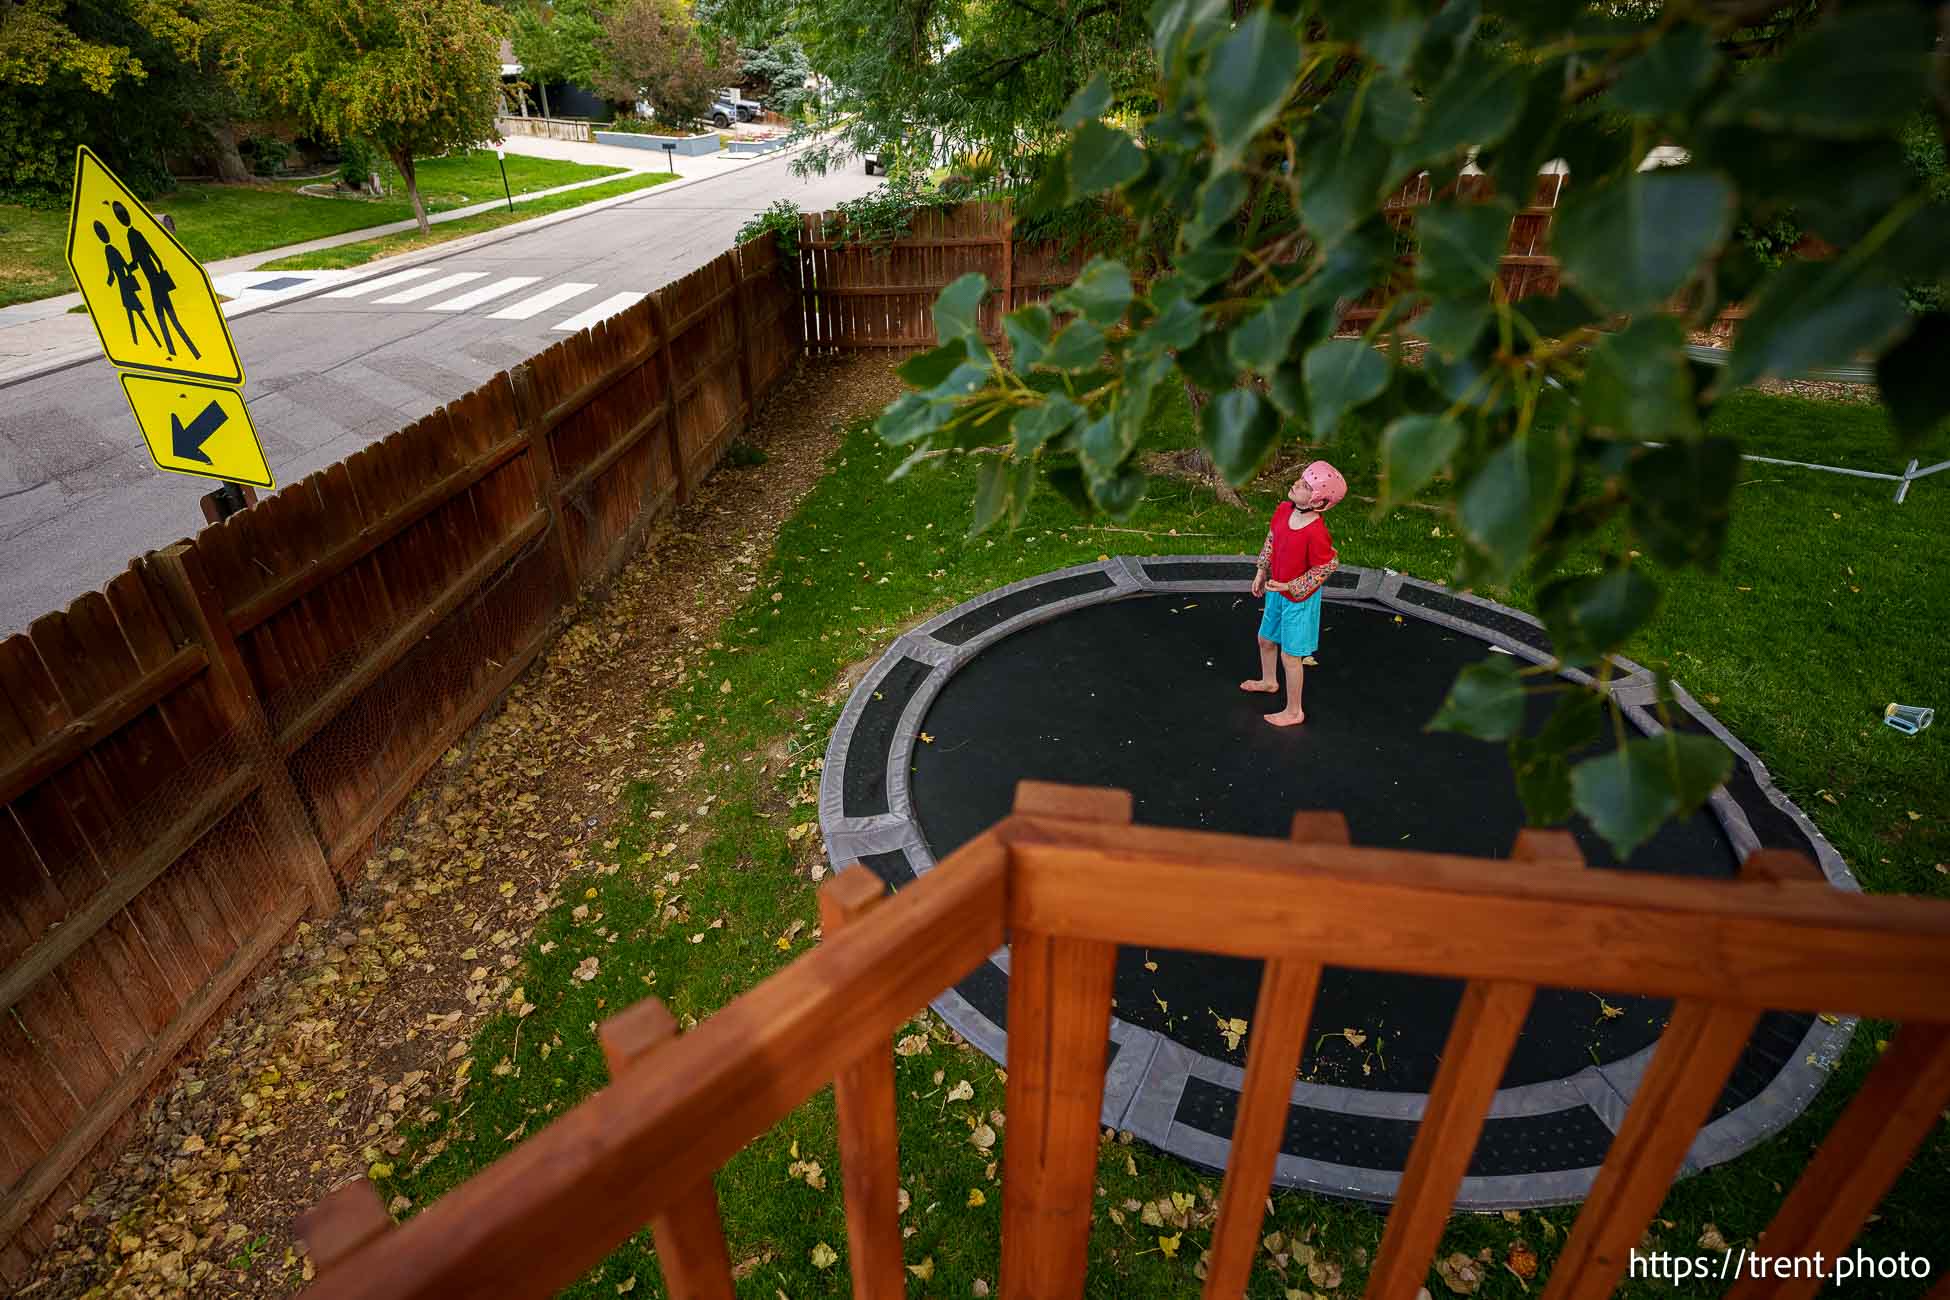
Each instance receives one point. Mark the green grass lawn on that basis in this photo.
(367, 250)
(219, 221)
(1831, 603)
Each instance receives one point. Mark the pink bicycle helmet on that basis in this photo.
(1326, 484)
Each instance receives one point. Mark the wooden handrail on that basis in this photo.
(1073, 879)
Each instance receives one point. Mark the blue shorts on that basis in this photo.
(1293, 624)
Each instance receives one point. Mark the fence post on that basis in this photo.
(682, 471)
(541, 461)
(292, 835)
(1008, 262)
(740, 302)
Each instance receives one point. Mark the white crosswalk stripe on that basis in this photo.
(486, 293)
(602, 311)
(365, 287)
(536, 304)
(431, 287)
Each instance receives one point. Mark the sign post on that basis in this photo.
(159, 322)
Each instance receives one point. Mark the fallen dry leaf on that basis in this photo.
(823, 1256)
(1461, 1273)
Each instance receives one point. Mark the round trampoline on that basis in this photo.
(1125, 673)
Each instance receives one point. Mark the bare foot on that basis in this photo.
(1259, 684)
(1286, 718)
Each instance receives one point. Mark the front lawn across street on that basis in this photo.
(640, 818)
(220, 221)
(407, 241)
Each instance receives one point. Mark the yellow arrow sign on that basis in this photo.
(151, 302)
(193, 428)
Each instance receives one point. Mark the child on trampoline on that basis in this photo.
(1294, 565)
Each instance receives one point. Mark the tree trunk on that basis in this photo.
(230, 163)
(403, 159)
(542, 87)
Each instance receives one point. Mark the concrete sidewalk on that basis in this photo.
(45, 335)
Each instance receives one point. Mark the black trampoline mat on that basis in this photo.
(1143, 694)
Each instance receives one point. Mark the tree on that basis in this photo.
(1260, 149)
(414, 78)
(653, 50)
(137, 80)
(556, 43)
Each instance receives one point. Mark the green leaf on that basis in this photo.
(1453, 325)
(1102, 158)
(1486, 700)
(1067, 480)
(1414, 448)
(1118, 495)
(1527, 145)
(1629, 793)
(1508, 503)
(927, 369)
(1592, 615)
(1201, 268)
(1176, 327)
(1207, 364)
(1079, 347)
(1180, 29)
(1386, 30)
(1669, 76)
(1541, 764)
(1034, 426)
(1812, 314)
(957, 311)
(1392, 105)
(1473, 107)
(1444, 38)
(1460, 244)
(1861, 72)
(1088, 104)
(1288, 392)
(1639, 384)
(1341, 374)
(1101, 293)
(1027, 329)
(1238, 429)
(1912, 381)
(1102, 447)
(1219, 199)
(1260, 342)
(992, 481)
(1345, 177)
(911, 418)
(1246, 80)
(1631, 243)
(1680, 496)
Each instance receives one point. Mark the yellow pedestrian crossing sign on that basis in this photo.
(194, 428)
(152, 303)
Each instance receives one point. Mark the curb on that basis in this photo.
(402, 261)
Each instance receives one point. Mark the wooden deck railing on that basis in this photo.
(1067, 879)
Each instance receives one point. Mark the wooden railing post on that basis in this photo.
(1287, 988)
(541, 460)
(1477, 1052)
(660, 319)
(1689, 1069)
(293, 836)
(1059, 1030)
(1860, 1158)
(691, 1248)
(863, 1094)
(347, 1218)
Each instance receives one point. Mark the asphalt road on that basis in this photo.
(79, 494)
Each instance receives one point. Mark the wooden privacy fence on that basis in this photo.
(859, 295)
(196, 756)
(1065, 881)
